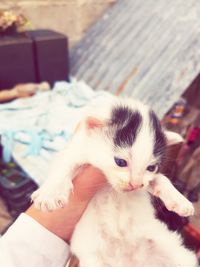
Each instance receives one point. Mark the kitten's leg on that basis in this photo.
(54, 193)
(172, 198)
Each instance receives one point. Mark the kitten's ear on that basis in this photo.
(173, 138)
(94, 123)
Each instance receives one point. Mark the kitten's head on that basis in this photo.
(131, 145)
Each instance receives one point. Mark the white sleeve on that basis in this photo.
(27, 243)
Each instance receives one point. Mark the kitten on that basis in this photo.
(125, 140)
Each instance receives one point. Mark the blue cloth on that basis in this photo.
(43, 123)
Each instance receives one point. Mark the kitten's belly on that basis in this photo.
(110, 224)
(119, 230)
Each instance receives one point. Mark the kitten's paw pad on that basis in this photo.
(49, 201)
(183, 207)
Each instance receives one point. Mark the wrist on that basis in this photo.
(61, 222)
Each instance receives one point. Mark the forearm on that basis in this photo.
(27, 242)
(36, 237)
(6, 95)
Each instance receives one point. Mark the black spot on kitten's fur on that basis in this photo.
(159, 137)
(126, 123)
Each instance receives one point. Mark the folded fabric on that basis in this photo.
(42, 124)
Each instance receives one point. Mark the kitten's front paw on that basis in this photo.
(49, 199)
(181, 206)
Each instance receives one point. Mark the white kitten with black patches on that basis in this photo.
(125, 140)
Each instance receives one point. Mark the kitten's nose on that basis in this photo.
(131, 187)
(136, 186)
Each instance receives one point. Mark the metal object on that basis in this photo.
(145, 49)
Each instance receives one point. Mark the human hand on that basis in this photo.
(88, 182)
(62, 222)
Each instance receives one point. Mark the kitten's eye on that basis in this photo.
(152, 168)
(120, 162)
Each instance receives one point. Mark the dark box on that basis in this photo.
(33, 56)
(50, 50)
(16, 61)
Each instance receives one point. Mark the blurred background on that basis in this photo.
(70, 17)
(56, 57)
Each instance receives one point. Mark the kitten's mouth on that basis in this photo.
(128, 189)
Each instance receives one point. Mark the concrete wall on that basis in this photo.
(71, 17)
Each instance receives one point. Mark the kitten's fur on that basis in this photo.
(119, 228)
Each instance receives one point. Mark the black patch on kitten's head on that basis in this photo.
(126, 123)
(159, 136)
